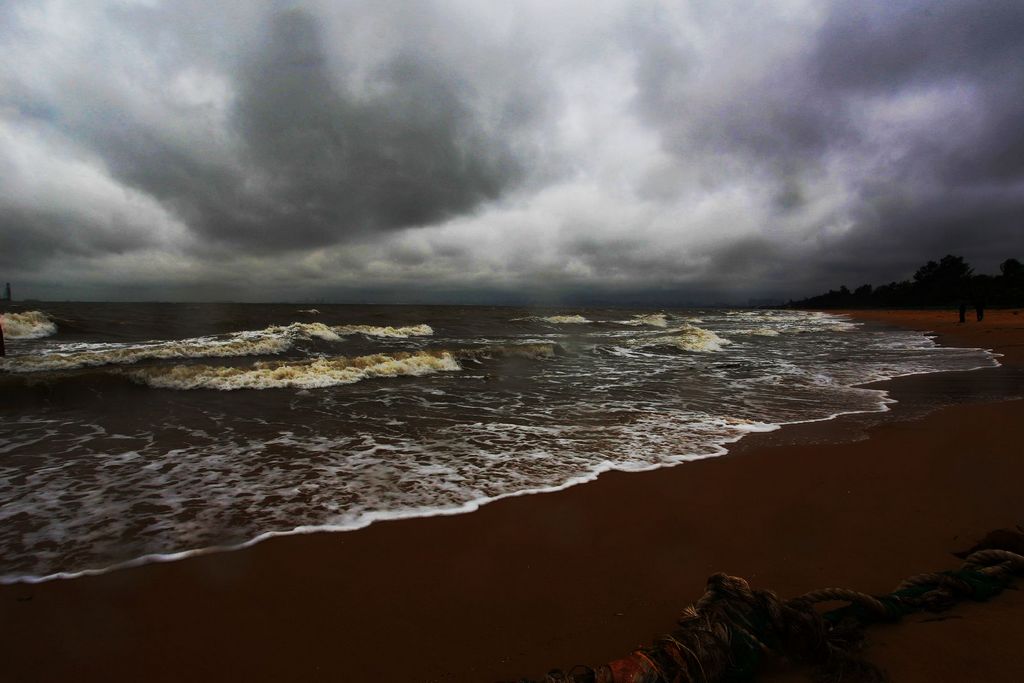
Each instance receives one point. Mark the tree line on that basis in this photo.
(948, 282)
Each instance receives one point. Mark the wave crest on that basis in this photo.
(686, 338)
(202, 347)
(27, 325)
(268, 341)
(302, 331)
(651, 319)
(335, 333)
(572, 319)
(388, 331)
(529, 351)
(322, 372)
(758, 332)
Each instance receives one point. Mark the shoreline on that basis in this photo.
(527, 583)
(727, 446)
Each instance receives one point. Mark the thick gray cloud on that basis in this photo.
(410, 154)
(317, 163)
(957, 185)
(913, 106)
(298, 160)
(451, 150)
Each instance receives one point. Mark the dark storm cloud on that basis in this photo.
(881, 45)
(960, 184)
(612, 148)
(30, 237)
(985, 226)
(411, 154)
(303, 159)
(631, 263)
(976, 47)
(318, 164)
(950, 178)
(738, 100)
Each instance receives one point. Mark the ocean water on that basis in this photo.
(139, 432)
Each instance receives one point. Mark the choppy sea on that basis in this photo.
(139, 432)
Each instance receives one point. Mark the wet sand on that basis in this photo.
(584, 575)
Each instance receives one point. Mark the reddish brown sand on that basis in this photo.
(583, 575)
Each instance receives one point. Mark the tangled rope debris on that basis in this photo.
(726, 634)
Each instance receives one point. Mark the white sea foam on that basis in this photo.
(301, 331)
(651, 319)
(326, 372)
(269, 341)
(791, 322)
(219, 472)
(685, 338)
(321, 372)
(530, 351)
(310, 311)
(769, 323)
(27, 325)
(387, 331)
(572, 319)
(93, 355)
(335, 333)
(758, 332)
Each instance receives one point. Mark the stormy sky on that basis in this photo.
(613, 151)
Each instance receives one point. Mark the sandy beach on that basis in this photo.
(582, 576)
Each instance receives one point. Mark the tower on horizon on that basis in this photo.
(7, 292)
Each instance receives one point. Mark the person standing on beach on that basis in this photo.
(963, 312)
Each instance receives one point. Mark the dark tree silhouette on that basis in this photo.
(1008, 287)
(942, 282)
(950, 281)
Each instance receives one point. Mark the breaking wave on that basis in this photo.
(302, 331)
(651, 319)
(758, 332)
(111, 472)
(329, 333)
(269, 341)
(310, 311)
(243, 344)
(573, 319)
(396, 332)
(321, 372)
(328, 372)
(529, 351)
(686, 338)
(27, 325)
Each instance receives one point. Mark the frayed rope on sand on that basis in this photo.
(728, 633)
